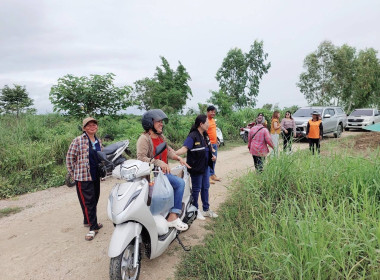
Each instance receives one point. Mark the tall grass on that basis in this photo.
(304, 217)
(34, 147)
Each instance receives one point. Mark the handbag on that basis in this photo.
(101, 170)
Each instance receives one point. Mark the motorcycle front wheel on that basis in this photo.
(121, 267)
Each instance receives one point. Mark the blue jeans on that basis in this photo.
(178, 185)
(201, 184)
(215, 147)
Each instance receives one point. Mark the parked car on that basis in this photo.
(362, 117)
(334, 120)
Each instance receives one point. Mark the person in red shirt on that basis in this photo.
(153, 124)
(211, 112)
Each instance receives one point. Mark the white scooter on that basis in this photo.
(135, 226)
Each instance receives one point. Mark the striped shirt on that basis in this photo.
(77, 159)
(288, 123)
(258, 145)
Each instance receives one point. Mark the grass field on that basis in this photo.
(304, 217)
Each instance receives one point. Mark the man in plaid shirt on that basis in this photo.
(82, 164)
(258, 141)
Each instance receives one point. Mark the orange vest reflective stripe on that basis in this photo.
(314, 129)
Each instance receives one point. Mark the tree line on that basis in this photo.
(333, 75)
(342, 76)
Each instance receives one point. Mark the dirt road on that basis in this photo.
(46, 239)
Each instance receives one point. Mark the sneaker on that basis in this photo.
(213, 177)
(210, 213)
(200, 216)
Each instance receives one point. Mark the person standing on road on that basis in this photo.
(211, 112)
(275, 130)
(258, 141)
(314, 132)
(82, 164)
(288, 126)
(153, 124)
(200, 158)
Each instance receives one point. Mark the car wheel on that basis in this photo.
(338, 132)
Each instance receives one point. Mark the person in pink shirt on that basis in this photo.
(258, 141)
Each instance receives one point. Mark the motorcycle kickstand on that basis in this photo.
(185, 248)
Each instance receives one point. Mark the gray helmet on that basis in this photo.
(153, 115)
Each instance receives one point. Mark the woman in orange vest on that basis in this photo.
(314, 132)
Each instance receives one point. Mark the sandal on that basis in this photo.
(90, 235)
(88, 225)
(178, 224)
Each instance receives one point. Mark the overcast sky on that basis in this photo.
(43, 40)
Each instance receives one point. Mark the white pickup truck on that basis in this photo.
(334, 120)
(362, 117)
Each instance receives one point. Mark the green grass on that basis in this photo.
(304, 217)
(9, 211)
(34, 147)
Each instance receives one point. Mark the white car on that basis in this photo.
(362, 117)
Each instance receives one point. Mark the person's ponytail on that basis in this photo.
(198, 120)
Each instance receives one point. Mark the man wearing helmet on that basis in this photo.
(153, 123)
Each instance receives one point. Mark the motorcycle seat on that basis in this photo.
(113, 147)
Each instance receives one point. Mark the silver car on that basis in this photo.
(334, 120)
(362, 117)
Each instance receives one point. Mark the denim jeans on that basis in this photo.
(212, 170)
(201, 184)
(178, 185)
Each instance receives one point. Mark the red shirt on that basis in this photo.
(164, 155)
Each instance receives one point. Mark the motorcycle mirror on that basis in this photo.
(159, 149)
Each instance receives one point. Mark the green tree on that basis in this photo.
(202, 108)
(341, 76)
(268, 106)
(223, 101)
(168, 89)
(317, 81)
(15, 100)
(240, 74)
(344, 72)
(90, 96)
(367, 82)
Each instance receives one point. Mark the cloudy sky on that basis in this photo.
(43, 40)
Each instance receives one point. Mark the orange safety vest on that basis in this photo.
(314, 129)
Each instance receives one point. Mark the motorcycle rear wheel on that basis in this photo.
(121, 267)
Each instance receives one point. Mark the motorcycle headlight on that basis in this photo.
(128, 173)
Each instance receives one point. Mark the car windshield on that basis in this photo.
(359, 113)
(304, 112)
